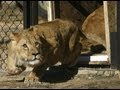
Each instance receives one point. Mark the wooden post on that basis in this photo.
(110, 29)
(107, 32)
(51, 11)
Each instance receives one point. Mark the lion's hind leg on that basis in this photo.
(71, 59)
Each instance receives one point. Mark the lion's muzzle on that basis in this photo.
(35, 60)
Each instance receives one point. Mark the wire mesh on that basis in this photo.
(11, 20)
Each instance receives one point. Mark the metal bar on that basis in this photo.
(79, 7)
(118, 33)
(57, 9)
(113, 43)
(26, 14)
(34, 12)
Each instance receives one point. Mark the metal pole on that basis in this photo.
(34, 12)
(118, 33)
(26, 14)
(57, 9)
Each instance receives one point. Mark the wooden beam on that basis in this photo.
(112, 14)
(110, 29)
(93, 59)
(51, 10)
(107, 31)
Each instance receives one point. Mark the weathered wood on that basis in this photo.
(110, 12)
(93, 59)
(107, 28)
(51, 10)
(110, 27)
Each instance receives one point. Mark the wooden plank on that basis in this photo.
(110, 15)
(51, 10)
(107, 31)
(93, 59)
(110, 11)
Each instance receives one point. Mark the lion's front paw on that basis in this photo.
(15, 71)
(31, 79)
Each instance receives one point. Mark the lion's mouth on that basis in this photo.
(21, 67)
(33, 62)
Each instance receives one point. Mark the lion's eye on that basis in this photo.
(37, 44)
(24, 45)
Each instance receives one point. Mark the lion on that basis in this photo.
(42, 46)
(94, 29)
(94, 26)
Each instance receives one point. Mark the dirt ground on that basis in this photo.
(79, 83)
(62, 79)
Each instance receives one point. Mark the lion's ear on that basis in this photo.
(35, 29)
(31, 28)
(13, 36)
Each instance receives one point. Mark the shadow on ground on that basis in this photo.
(57, 74)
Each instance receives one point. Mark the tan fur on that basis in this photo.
(94, 27)
(44, 45)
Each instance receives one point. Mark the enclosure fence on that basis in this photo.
(11, 20)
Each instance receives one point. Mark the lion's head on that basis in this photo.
(23, 51)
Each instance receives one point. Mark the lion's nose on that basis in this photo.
(35, 56)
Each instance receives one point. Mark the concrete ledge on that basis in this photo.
(86, 72)
(93, 72)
